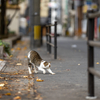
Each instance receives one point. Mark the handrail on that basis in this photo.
(48, 38)
(94, 43)
(93, 71)
(93, 15)
(91, 44)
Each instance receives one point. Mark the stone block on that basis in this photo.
(1, 52)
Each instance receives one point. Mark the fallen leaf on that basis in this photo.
(17, 98)
(2, 84)
(39, 80)
(18, 64)
(25, 76)
(11, 63)
(8, 94)
(1, 88)
(19, 92)
(24, 48)
(97, 63)
(17, 80)
(1, 77)
(15, 74)
(12, 49)
(11, 55)
(18, 48)
(38, 97)
(1, 60)
(25, 56)
(0, 96)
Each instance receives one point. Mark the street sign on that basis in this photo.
(88, 2)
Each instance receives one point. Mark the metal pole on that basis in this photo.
(49, 39)
(31, 10)
(34, 12)
(42, 35)
(90, 57)
(55, 41)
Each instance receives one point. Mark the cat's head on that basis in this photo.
(46, 64)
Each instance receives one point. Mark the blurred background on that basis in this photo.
(17, 17)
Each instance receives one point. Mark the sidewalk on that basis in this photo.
(17, 85)
(69, 82)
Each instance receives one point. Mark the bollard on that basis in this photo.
(37, 36)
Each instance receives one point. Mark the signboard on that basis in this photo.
(94, 6)
(44, 8)
(66, 7)
(85, 8)
(88, 2)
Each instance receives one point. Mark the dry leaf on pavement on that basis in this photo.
(12, 49)
(25, 56)
(39, 80)
(8, 94)
(24, 48)
(1, 60)
(18, 64)
(25, 76)
(11, 55)
(38, 97)
(97, 63)
(2, 84)
(17, 98)
(18, 48)
(79, 64)
(0, 96)
(1, 77)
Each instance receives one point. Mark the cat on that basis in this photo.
(35, 60)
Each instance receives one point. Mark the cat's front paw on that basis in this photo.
(30, 73)
(53, 73)
(44, 72)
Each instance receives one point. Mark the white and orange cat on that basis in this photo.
(35, 60)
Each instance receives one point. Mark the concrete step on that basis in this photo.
(11, 41)
(1, 52)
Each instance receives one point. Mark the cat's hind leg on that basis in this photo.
(50, 71)
(35, 68)
(30, 68)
